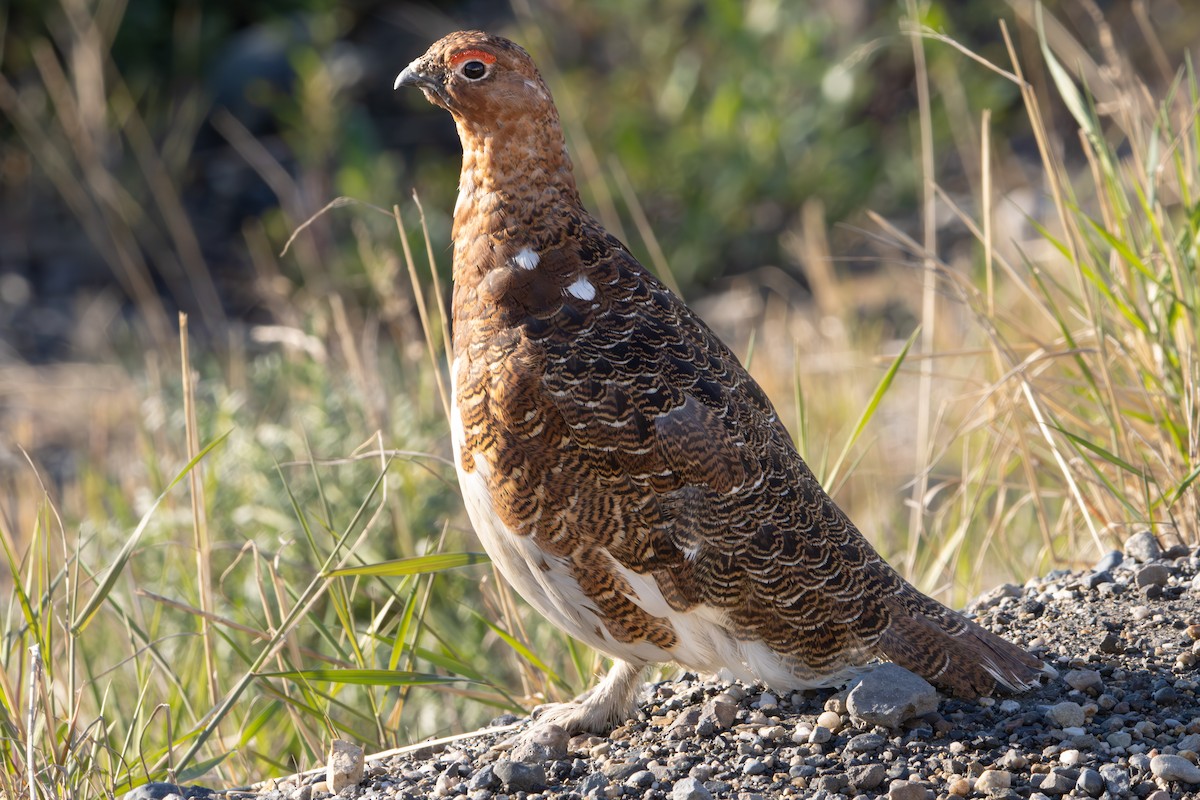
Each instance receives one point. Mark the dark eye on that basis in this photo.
(474, 70)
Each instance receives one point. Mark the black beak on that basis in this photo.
(413, 75)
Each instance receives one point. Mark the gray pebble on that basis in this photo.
(1084, 680)
(865, 743)
(906, 790)
(642, 779)
(820, 735)
(864, 777)
(1152, 575)
(516, 776)
(1111, 561)
(594, 784)
(1066, 715)
(720, 714)
(888, 696)
(1175, 768)
(754, 767)
(690, 789)
(1056, 783)
(543, 743)
(1090, 783)
(485, 778)
(1119, 739)
(830, 783)
(1116, 778)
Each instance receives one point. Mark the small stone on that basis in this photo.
(865, 777)
(959, 787)
(1111, 643)
(831, 720)
(486, 778)
(1152, 575)
(1120, 739)
(719, 714)
(1142, 547)
(1066, 715)
(1012, 761)
(345, 766)
(593, 785)
(865, 743)
(690, 789)
(1140, 613)
(642, 779)
(991, 779)
(1161, 794)
(906, 790)
(1070, 758)
(801, 733)
(833, 784)
(1116, 779)
(1191, 743)
(447, 783)
(516, 776)
(820, 735)
(1009, 706)
(1165, 696)
(1193, 631)
(1090, 783)
(1175, 768)
(546, 742)
(754, 767)
(1084, 680)
(1056, 783)
(888, 696)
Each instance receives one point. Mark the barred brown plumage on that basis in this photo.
(621, 467)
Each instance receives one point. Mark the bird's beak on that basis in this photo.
(414, 75)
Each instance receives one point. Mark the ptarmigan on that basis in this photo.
(624, 472)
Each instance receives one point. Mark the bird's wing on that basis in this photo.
(716, 504)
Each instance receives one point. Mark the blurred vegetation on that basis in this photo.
(228, 610)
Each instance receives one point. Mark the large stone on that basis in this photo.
(1175, 768)
(1143, 547)
(889, 695)
(543, 743)
(993, 779)
(516, 776)
(345, 767)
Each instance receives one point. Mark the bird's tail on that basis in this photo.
(952, 652)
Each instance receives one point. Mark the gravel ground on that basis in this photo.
(1121, 718)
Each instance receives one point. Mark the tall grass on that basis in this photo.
(260, 546)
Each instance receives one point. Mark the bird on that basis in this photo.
(623, 471)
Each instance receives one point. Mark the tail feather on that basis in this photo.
(954, 653)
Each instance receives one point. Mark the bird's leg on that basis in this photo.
(600, 709)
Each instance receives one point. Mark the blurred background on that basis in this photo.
(771, 159)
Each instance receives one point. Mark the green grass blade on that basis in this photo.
(872, 406)
(118, 565)
(366, 677)
(416, 565)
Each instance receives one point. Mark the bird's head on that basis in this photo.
(483, 80)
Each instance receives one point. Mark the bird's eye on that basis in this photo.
(474, 70)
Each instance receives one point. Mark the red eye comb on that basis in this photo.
(478, 55)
